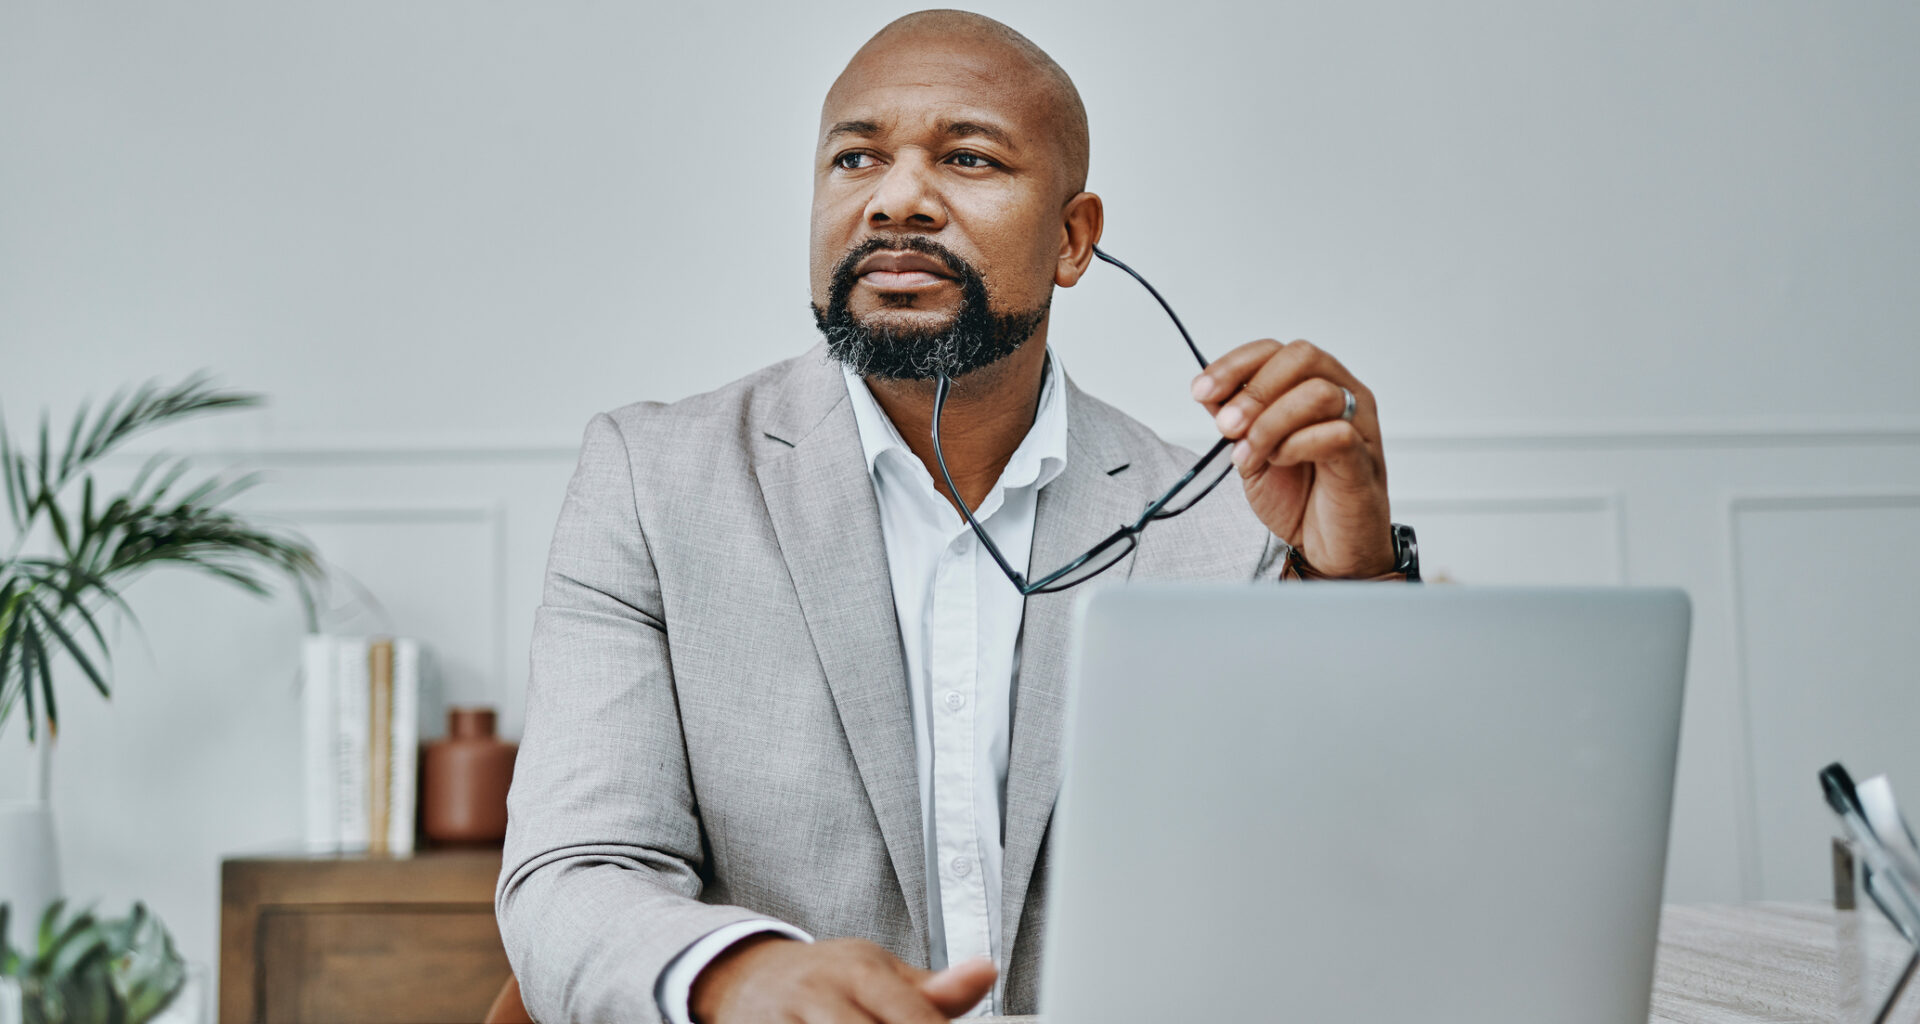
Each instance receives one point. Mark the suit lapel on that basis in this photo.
(826, 518)
(1092, 496)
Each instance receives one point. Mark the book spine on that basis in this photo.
(351, 710)
(406, 746)
(317, 723)
(380, 744)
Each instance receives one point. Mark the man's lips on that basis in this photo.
(902, 271)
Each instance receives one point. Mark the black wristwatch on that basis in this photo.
(1406, 557)
(1406, 552)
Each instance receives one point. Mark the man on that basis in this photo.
(780, 691)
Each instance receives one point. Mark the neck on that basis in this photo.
(987, 415)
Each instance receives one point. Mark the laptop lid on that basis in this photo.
(1364, 802)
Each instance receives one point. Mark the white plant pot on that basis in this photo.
(29, 869)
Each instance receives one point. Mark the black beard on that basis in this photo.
(975, 337)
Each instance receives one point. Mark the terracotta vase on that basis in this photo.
(465, 779)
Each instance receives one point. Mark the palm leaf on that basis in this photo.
(9, 641)
(41, 466)
(150, 406)
(73, 439)
(177, 469)
(75, 583)
(217, 491)
(96, 441)
(16, 494)
(28, 500)
(238, 577)
(73, 599)
(51, 620)
(59, 521)
(86, 509)
(9, 960)
(36, 647)
(51, 606)
(154, 461)
(21, 636)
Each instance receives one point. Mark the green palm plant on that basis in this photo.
(92, 545)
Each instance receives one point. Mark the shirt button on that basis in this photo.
(962, 866)
(956, 701)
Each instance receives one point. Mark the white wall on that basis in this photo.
(1626, 276)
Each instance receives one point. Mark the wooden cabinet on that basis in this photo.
(331, 939)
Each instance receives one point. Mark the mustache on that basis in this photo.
(845, 277)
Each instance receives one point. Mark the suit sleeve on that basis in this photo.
(600, 877)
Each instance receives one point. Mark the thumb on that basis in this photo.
(955, 990)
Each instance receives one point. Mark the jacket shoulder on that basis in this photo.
(731, 409)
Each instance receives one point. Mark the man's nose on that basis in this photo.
(907, 196)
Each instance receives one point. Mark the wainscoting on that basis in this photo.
(1796, 544)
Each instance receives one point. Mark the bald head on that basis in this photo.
(949, 196)
(1005, 58)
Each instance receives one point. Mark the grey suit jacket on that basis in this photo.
(717, 721)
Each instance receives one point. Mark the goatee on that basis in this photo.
(975, 337)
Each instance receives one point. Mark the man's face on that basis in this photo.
(937, 188)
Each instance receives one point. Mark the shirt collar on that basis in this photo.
(1041, 456)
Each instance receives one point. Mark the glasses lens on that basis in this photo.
(1207, 475)
(1097, 561)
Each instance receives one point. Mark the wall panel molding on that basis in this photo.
(1747, 796)
(492, 515)
(1609, 503)
(1639, 434)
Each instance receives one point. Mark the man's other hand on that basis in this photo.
(770, 978)
(1308, 450)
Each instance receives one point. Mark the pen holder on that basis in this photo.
(1874, 960)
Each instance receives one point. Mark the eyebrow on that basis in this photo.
(852, 128)
(950, 129)
(962, 129)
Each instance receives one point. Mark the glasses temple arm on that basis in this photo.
(1155, 292)
(940, 389)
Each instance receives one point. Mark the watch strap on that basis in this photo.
(1406, 562)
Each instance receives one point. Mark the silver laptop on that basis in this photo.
(1364, 803)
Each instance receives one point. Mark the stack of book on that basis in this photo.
(362, 714)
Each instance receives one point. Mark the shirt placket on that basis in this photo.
(954, 677)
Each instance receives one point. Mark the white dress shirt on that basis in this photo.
(959, 620)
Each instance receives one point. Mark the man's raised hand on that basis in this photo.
(1316, 479)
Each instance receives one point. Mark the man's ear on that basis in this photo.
(1081, 221)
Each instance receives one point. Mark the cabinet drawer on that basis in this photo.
(379, 965)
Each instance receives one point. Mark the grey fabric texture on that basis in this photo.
(717, 722)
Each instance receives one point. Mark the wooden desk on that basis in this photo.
(372, 940)
(325, 939)
(1763, 962)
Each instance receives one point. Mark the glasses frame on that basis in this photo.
(1129, 534)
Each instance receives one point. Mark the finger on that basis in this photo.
(959, 988)
(1224, 375)
(832, 1008)
(892, 999)
(908, 973)
(1309, 402)
(1290, 367)
(1334, 445)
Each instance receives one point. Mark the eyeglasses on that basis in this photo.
(1186, 492)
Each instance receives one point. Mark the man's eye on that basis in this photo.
(971, 160)
(851, 161)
